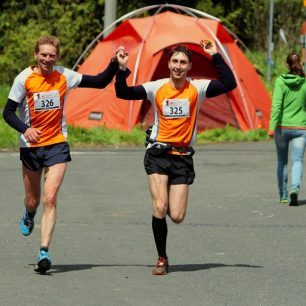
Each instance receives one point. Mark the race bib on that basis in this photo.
(46, 100)
(176, 108)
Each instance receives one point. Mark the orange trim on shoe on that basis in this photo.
(162, 266)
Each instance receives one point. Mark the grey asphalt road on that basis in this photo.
(237, 246)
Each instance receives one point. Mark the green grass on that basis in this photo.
(230, 134)
(4, 91)
(8, 136)
(102, 137)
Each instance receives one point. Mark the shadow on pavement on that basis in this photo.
(302, 202)
(173, 268)
(197, 267)
(70, 268)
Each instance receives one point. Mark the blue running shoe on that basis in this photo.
(43, 262)
(26, 224)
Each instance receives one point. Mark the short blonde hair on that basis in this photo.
(48, 40)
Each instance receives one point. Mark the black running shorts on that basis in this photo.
(179, 168)
(47, 156)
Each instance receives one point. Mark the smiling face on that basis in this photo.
(179, 65)
(46, 57)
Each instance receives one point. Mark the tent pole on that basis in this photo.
(188, 11)
(224, 53)
(138, 12)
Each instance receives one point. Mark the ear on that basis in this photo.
(190, 65)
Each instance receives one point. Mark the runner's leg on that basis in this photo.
(159, 191)
(178, 196)
(53, 177)
(158, 184)
(31, 181)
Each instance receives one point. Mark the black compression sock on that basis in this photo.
(160, 231)
(31, 214)
(43, 248)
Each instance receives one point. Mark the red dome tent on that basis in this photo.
(147, 40)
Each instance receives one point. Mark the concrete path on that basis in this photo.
(237, 246)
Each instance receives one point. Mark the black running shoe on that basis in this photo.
(293, 199)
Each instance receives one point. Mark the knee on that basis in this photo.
(31, 201)
(160, 209)
(177, 218)
(50, 200)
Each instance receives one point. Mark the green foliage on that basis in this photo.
(4, 91)
(208, 7)
(278, 66)
(249, 20)
(22, 22)
(100, 136)
(8, 136)
(78, 22)
(230, 134)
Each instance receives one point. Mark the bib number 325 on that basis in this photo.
(176, 108)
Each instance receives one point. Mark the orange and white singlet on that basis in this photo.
(176, 110)
(41, 101)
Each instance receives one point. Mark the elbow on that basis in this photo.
(119, 92)
(119, 95)
(5, 116)
(233, 85)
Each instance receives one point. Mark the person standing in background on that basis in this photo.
(288, 127)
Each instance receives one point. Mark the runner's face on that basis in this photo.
(179, 66)
(46, 58)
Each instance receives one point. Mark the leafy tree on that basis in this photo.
(249, 19)
(78, 22)
(22, 22)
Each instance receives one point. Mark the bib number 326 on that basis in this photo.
(46, 100)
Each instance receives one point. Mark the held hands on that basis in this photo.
(32, 135)
(122, 57)
(208, 46)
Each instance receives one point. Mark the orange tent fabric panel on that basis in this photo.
(147, 40)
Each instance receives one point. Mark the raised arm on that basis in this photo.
(122, 90)
(102, 79)
(226, 80)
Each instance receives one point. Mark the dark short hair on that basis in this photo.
(180, 49)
